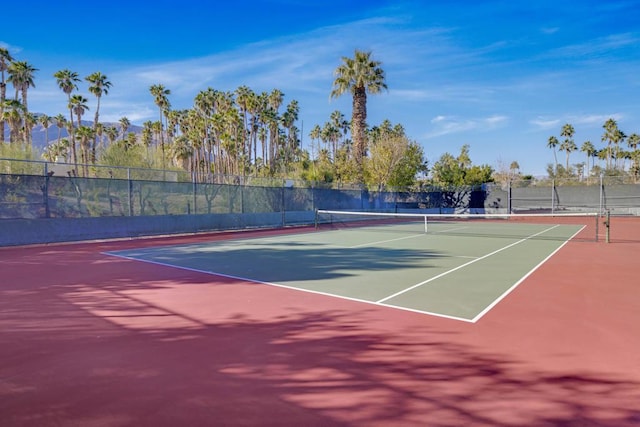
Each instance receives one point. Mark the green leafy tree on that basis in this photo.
(394, 160)
(457, 176)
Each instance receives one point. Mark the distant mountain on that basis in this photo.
(39, 135)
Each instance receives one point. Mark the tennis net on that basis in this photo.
(558, 226)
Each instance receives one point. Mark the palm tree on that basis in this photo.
(610, 136)
(5, 60)
(359, 75)
(67, 80)
(124, 126)
(112, 134)
(274, 101)
(45, 121)
(99, 86)
(340, 123)
(78, 105)
(160, 95)
(568, 145)
(61, 122)
(12, 113)
(289, 118)
(588, 148)
(633, 141)
(21, 76)
(552, 142)
(315, 136)
(243, 97)
(85, 134)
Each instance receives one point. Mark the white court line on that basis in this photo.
(462, 266)
(379, 303)
(385, 241)
(515, 285)
(260, 282)
(448, 230)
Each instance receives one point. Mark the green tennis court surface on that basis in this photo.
(441, 273)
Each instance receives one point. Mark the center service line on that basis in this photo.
(462, 266)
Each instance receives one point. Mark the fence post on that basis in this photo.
(195, 194)
(601, 207)
(45, 192)
(553, 195)
(282, 205)
(130, 190)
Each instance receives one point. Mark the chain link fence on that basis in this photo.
(33, 190)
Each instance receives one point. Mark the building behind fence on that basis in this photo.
(31, 191)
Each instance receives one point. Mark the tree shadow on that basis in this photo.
(102, 341)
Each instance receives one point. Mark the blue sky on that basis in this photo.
(501, 76)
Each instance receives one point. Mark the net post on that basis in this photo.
(316, 220)
(425, 224)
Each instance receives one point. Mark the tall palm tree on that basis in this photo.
(67, 80)
(359, 75)
(340, 123)
(289, 117)
(112, 134)
(124, 126)
(568, 145)
(5, 60)
(243, 99)
(12, 113)
(274, 101)
(315, 136)
(85, 134)
(633, 142)
(160, 98)
(552, 143)
(588, 148)
(78, 105)
(61, 123)
(45, 121)
(610, 136)
(21, 76)
(99, 86)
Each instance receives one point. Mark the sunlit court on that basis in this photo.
(455, 266)
(359, 320)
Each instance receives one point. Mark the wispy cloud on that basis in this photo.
(11, 48)
(549, 30)
(588, 120)
(600, 46)
(444, 125)
(544, 124)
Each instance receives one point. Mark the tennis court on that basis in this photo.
(458, 266)
(528, 321)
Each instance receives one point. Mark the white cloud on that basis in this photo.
(544, 124)
(444, 125)
(549, 30)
